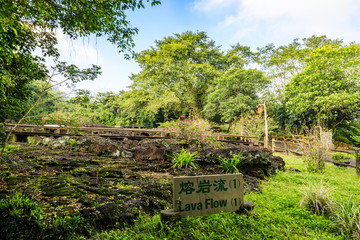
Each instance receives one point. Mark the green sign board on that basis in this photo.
(207, 194)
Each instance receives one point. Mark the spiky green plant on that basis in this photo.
(317, 198)
(232, 165)
(347, 218)
(185, 159)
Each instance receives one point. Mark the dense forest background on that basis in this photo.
(312, 81)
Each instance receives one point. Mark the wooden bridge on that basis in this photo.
(22, 131)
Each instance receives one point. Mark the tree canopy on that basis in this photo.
(180, 73)
(185, 65)
(26, 26)
(236, 94)
(327, 89)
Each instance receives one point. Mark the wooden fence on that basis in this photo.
(110, 132)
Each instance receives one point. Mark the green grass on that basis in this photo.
(279, 214)
(11, 148)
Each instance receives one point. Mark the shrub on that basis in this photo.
(73, 142)
(317, 198)
(11, 148)
(315, 150)
(21, 218)
(315, 156)
(185, 159)
(340, 157)
(348, 132)
(253, 125)
(347, 218)
(198, 130)
(232, 165)
(64, 227)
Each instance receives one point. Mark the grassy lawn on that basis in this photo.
(278, 213)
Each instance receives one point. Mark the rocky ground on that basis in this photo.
(110, 183)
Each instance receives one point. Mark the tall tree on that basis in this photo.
(29, 25)
(236, 94)
(327, 90)
(185, 65)
(282, 63)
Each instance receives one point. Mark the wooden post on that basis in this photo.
(357, 154)
(266, 137)
(242, 126)
(286, 148)
(13, 138)
(273, 145)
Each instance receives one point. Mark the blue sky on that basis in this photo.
(253, 23)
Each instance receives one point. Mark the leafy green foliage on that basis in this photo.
(50, 102)
(327, 90)
(11, 148)
(178, 74)
(180, 67)
(21, 218)
(282, 63)
(235, 94)
(232, 165)
(340, 157)
(317, 198)
(73, 142)
(348, 132)
(185, 159)
(27, 26)
(64, 227)
(138, 107)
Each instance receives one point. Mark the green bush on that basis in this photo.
(196, 130)
(21, 218)
(11, 148)
(185, 159)
(232, 165)
(73, 142)
(64, 227)
(340, 157)
(315, 155)
(317, 198)
(348, 132)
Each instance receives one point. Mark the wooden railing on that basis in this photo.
(58, 130)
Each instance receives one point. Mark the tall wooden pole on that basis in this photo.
(357, 164)
(266, 137)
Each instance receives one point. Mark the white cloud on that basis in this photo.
(211, 5)
(284, 18)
